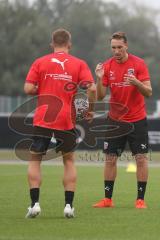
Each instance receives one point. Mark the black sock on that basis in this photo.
(34, 194)
(108, 187)
(69, 195)
(141, 187)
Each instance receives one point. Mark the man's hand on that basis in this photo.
(99, 71)
(131, 79)
(144, 87)
(101, 90)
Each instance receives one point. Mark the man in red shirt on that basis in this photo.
(128, 79)
(54, 79)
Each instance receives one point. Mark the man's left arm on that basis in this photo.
(144, 87)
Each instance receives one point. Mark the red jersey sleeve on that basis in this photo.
(143, 73)
(85, 74)
(105, 79)
(33, 74)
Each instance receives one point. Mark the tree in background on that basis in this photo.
(25, 32)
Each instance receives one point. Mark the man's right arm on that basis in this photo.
(30, 88)
(101, 90)
(31, 83)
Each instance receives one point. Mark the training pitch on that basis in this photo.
(123, 222)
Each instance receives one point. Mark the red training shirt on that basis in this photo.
(57, 76)
(126, 102)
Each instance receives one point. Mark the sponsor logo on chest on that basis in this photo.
(115, 82)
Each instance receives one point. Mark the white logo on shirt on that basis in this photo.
(111, 75)
(62, 77)
(55, 60)
(120, 84)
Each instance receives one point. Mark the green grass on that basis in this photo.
(124, 222)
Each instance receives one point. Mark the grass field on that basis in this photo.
(124, 222)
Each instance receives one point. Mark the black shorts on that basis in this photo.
(136, 134)
(65, 140)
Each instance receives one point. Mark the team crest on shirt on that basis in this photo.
(130, 71)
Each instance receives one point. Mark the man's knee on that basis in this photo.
(111, 160)
(141, 160)
(68, 158)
